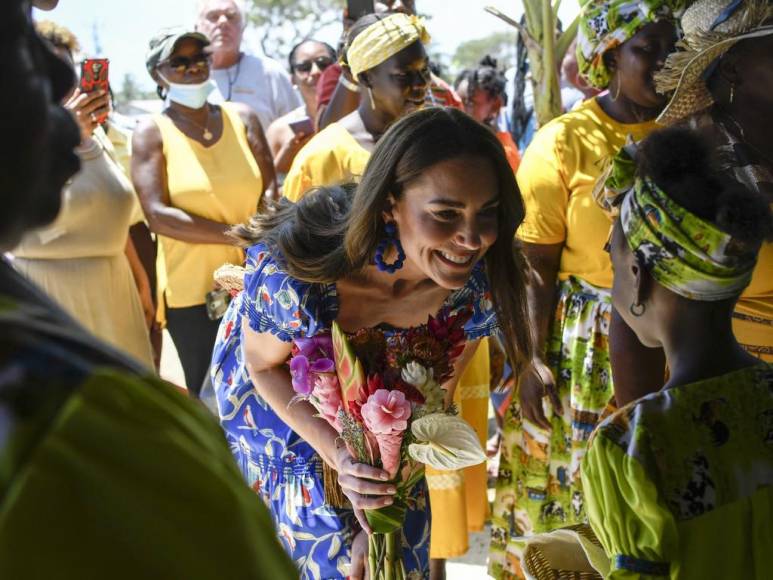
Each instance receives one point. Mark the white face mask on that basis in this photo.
(192, 96)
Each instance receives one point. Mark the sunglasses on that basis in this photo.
(182, 63)
(305, 65)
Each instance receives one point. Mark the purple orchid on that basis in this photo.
(314, 356)
(299, 372)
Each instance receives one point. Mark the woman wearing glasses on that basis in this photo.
(288, 134)
(198, 169)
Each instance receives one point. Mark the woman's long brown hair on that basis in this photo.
(333, 232)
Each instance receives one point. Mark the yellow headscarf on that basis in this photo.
(384, 39)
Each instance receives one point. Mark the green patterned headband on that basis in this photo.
(606, 24)
(683, 252)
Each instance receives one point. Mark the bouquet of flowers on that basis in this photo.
(384, 394)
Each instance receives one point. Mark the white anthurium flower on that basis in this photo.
(423, 380)
(445, 442)
(415, 375)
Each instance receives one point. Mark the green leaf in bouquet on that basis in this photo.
(387, 519)
(348, 367)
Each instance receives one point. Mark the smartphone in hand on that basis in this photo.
(94, 77)
(303, 126)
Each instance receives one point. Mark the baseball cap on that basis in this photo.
(162, 45)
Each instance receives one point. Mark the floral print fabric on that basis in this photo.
(683, 478)
(538, 486)
(606, 24)
(688, 255)
(275, 461)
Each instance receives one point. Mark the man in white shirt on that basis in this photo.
(257, 81)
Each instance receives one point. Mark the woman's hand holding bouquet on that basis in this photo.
(384, 394)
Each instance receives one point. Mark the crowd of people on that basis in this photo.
(614, 278)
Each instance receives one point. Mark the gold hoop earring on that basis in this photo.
(637, 309)
(370, 96)
(617, 94)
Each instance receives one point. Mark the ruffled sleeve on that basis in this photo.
(272, 301)
(476, 294)
(628, 515)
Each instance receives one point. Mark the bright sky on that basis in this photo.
(124, 27)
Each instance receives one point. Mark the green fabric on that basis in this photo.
(607, 24)
(162, 45)
(617, 179)
(105, 473)
(133, 480)
(685, 253)
(538, 487)
(684, 478)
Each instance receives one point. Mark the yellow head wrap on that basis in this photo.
(384, 39)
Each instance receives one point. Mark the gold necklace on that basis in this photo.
(206, 133)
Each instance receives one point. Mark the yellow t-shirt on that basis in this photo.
(556, 177)
(222, 183)
(753, 320)
(331, 157)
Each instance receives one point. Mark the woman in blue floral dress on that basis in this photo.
(436, 210)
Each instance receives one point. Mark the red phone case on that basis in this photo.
(94, 76)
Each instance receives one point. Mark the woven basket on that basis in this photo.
(230, 277)
(570, 553)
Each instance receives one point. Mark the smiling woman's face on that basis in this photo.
(447, 219)
(399, 84)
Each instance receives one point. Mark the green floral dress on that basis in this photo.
(679, 484)
(539, 486)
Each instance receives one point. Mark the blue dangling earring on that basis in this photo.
(391, 238)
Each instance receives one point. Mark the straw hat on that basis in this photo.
(711, 28)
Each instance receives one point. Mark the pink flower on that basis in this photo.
(327, 393)
(386, 412)
(389, 448)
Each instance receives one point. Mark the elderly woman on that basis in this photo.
(198, 169)
(85, 259)
(307, 60)
(679, 483)
(94, 451)
(441, 184)
(622, 43)
(720, 89)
